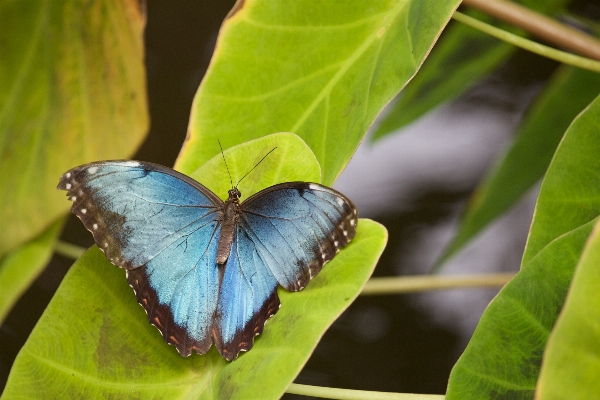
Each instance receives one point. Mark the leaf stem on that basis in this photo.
(540, 25)
(348, 394)
(419, 283)
(68, 250)
(545, 51)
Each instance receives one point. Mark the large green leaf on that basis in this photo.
(23, 265)
(569, 91)
(571, 363)
(322, 70)
(503, 358)
(94, 339)
(461, 58)
(291, 161)
(72, 90)
(570, 193)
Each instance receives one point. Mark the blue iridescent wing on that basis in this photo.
(285, 234)
(163, 228)
(297, 227)
(247, 298)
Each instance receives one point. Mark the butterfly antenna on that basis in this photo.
(223, 154)
(261, 160)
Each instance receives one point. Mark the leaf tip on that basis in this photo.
(239, 4)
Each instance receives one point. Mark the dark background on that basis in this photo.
(381, 343)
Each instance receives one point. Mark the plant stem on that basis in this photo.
(540, 25)
(68, 250)
(419, 283)
(348, 394)
(545, 51)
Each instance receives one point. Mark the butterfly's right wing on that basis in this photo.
(163, 228)
(285, 234)
(297, 227)
(247, 298)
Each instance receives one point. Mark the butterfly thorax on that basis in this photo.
(230, 216)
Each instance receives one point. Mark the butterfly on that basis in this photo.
(205, 270)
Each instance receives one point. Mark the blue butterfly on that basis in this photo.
(207, 271)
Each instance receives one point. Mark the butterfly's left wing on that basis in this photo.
(163, 228)
(285, 234)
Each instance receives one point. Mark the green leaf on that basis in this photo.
(462, 57)
(503, 358)
(322, 70)
(72, 90)
(94, 339)
(569, 91)
(291, 161)
(21, 266)
(571, 363)
(570, 193)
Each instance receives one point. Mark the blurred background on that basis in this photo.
(416, 182)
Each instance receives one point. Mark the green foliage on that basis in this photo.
(505, 352)
(572, 359)
(21, 266)
(504, 356)
(570, 192)
(322, 71)
(63, 101)
(567, 93)
(462, 58)
(291, 161)
(95, 353)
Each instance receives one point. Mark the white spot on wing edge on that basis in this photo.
(340, 202)
(131, 163)
(68, 186)
(352, 222)
(68, 175)
(92, 170)
(73, 198)
(83, 210)
(95, 226)
(313, 186)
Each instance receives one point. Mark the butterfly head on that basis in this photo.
(234, 194)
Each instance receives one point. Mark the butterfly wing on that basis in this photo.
(297, 227)
(247, 298)
(163, 228)
(179, 289)
(285, 234)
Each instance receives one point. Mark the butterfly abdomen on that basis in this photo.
(230, 218)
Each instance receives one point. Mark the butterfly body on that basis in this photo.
(205, 270)
(231, 212)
